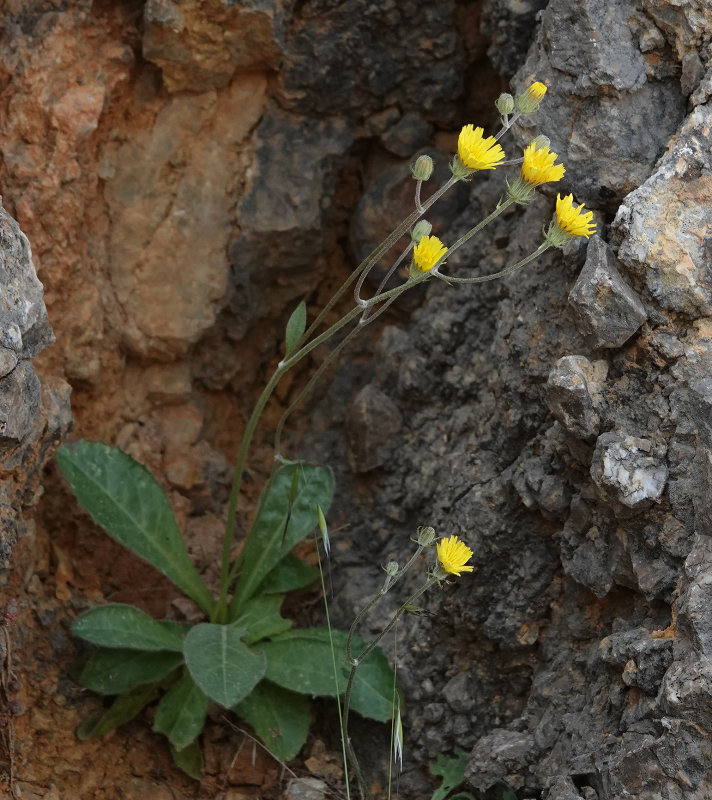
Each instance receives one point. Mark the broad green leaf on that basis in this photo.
(221, 664)
(181, 713)
(279, 717)
(189, 759)
(268, 541)
(301, 661)
(110, 671)
(295, 328)
(260, 616)
(125, 626)
(123, 709)
(451, 770)
(124, 498)
(290, 574)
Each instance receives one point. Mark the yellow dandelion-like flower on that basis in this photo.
(571, 219)
(539, 167)
(529, 101)
(428, 252)
(476, 151)
(453, 555)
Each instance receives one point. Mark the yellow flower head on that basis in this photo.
(428, 252)
(572, 220)
(476, 151)
(539, 167)
(529, 101)
(453, 555)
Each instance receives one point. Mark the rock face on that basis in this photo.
(187, 171)
(34, 417)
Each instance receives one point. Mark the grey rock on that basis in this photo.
(573, 390)
(644, 659)
(508, 27)
(457, 693)
(589, 58)
(673, 257)
(561, 788)
(606, 308)
(497, 757)
(19, 403)
(24, 326)
(695, 601)
(372, 426)
(630, 467)
(693, 71)
(409, 134)
(306, 789)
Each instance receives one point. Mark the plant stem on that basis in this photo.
(508, 271)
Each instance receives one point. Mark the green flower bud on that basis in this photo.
(528, 102)
(504, 103)
(421, 229)
(423, 168)
(541, 142)
(426, 537)
(391, 568)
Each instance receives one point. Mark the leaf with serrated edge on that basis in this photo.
(181, 713)
(119, 625)
(279, 717)
(124, 498)
(221, 664)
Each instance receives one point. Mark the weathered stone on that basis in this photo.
(573, 391)
(409, 134)
(630, 467)
(588, 57)
(663, 227)
(168, 194)
(606, 308)
(306, 789)
(24, 326)
(695, 599)
(645, 659)
(200, 44)
(561, 788)
(19, 403)
(497, 757)
(372, 426)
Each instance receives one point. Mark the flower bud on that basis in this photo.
(504, 103)
(541, 142)
(421, 229)
(426, 537)
(528, 102)
(391, 568)
(423, 168)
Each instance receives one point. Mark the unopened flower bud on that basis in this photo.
(426, 536)
(528, 102)
(540, 142)
(504, 103)
(422, 228)
(423, 168)
(391, 568)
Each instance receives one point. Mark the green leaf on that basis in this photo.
(124, 498)
(268, 542)
(181, 713)
(290, 574)
(110, 671)
(295, 328)
(301, 661)
(451, 770)
(123, 709)
(189, 759)
(220, 663)
(119, 625)
(261, 617)
(279, 717)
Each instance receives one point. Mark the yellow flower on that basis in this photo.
(428, 252)
(453, 555)
(529, 101)
(572, 220)
(476, 151)
(539, 167)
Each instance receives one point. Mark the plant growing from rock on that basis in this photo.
(244, 654)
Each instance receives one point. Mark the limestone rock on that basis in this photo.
(573, 391)
(663, 227)
(494, 756)
(606, 308)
